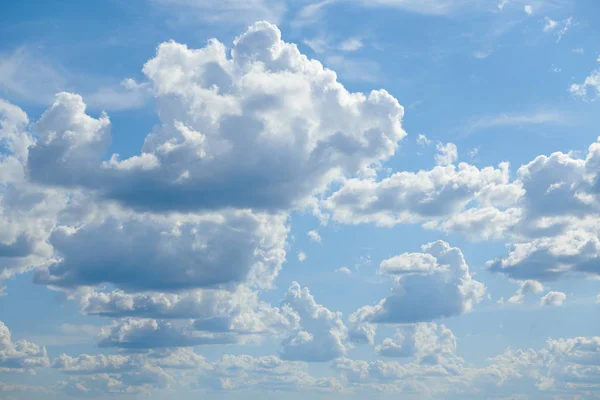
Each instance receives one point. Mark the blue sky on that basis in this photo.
(335, 199)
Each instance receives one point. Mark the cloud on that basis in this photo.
(21, 355)
(322, 332)
(550, 258)
(352, 44)
(446, 154)
(553, 299)
(137, 334)
(203, 251)
(226, 11)
(291, 138)
(438, 286)
(528, 9)
(427, 341)
(561, 27)
(217, 311)
(314, 236)
(506, 120)
(526, 288)
(411, 197)
(589, 89)
(344, 270)
(423, 141)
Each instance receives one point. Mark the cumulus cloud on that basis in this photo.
(135, 334)
(21, 355)
(239, 311)
(446, 154)
(290, 138)
(201, 251)
(409, 197)
(322, 332)
(553, 299)
(427, 341)
(589, 88)
(526, 288)
(429, 285)
(549, 258)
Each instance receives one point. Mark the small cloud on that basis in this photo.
(447, 154)
(527, 287)
(553, 299)
(480, 55)
(578, 50)
(344, 270)
(474, 152)
(556, 69)
(423, 141)
(502, 4)
(318, 45)
(350, 45)
(551, 25)
(528, 9)
(301, 256)
(314, 236)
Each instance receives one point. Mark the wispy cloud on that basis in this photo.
(503, 120)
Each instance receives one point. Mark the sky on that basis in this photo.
(397, 199)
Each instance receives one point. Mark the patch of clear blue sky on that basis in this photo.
(427, 62)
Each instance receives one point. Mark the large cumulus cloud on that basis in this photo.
(264, 128)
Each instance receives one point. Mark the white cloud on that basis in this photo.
(314, 236)
(440, 286)
(301, 256)
(507, 120)
(344, 270)
(561, 27)
(553, 299)
(528, 9)
(526, 288)
(426, 341)
(589, 89)
(322, 332)
(410, 197)
(423, 141)
(352, 44)
(446, 154)
(21, 355)
(482, 54)
(300, 132)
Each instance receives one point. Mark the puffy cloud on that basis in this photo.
(135, 334)
(267, 115)
(427, 341)
(589, 88)
(344, 270)
(574, 252)
(440, 286)
(314, 236)
(409, 197)
(526, 288)
(213, 310)
(21, 355)
(554, 299)
(97, 364)
(446, 154)
(199, 251)
(322, 332)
